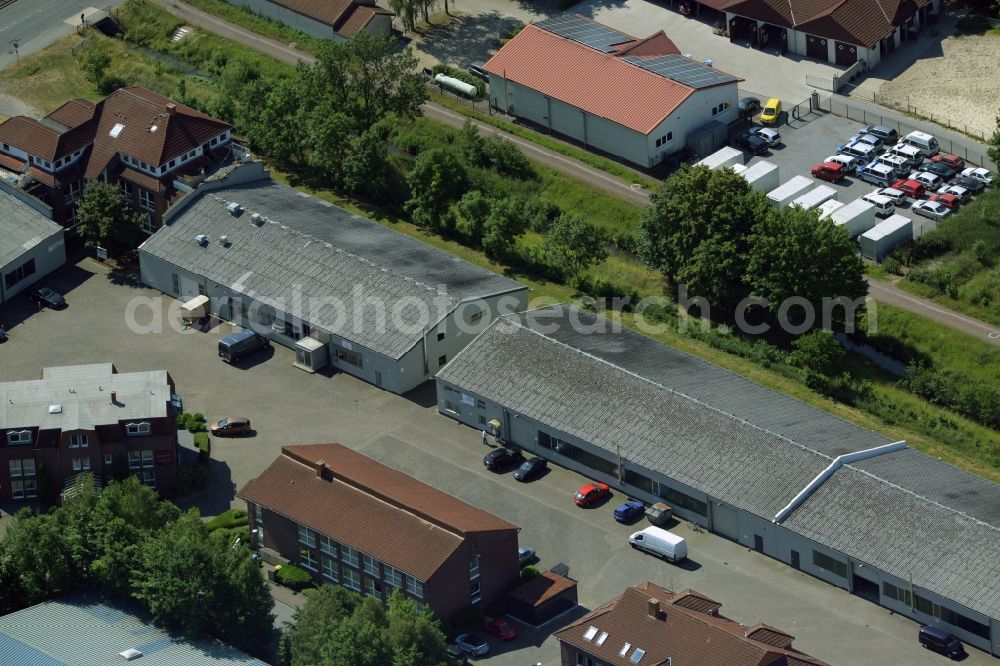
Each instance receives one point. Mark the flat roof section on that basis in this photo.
(21, 228)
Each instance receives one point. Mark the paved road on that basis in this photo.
(566, 165)
(35, 24)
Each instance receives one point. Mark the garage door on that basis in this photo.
(847, 54)
(725, 520)
(816, 47)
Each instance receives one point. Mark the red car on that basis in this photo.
(953, 161)
(909, 187)
(949, 201)
(830, 171)
(590, 493)
(501, 629)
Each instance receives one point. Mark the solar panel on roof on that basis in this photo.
(588, 33)
(682, 70)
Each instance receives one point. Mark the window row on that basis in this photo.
(665, 139)
(24, 488)
(138, 428)
(27, 269)
(827, 563)
(140, 459)
(19, 437)
(25, 467)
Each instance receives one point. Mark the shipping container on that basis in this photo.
(827, 208)
(886, 236)
(857, 217)
(762, 176)
(724, 157)
(814, 197)
(739, 168)
(788, 191)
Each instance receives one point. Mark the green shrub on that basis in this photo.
(465, 77)
(529, 572)
(294, 578)
(228, 519)
(892, 265)
(204, 445)
(191, 476)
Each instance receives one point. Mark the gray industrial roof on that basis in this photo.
(21, 228)
(905, 535)
(618, 408)
(323, 252)
(79, 397)
(86, 632)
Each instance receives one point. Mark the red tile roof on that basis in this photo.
(407, 524)
(74, 112)
(341, 15)
(31, 136)
(143, 179)
(12, 163)
(684, 635)
(599, 83)
(358, 17)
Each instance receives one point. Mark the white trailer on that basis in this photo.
(827, 208)
(762, 176)
(739, 168)
(814, 197)
(886, 236)
(724, 157)
(857, 217)
(789, 191)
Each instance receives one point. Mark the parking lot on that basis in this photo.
(287, 405)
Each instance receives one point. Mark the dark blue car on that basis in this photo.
(630, 511)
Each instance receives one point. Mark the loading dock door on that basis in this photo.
(725, 521)
(816, 48)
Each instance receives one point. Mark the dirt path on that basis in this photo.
(12, 106)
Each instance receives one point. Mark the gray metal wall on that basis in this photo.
(288, 17)
(49, 255)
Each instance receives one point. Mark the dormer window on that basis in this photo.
(137, 429)
(19, 437)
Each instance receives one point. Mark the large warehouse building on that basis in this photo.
(633, 98)
(31, 244)
(334, 286)
(841, 503)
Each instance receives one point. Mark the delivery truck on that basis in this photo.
(658, 541)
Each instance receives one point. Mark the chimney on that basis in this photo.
(654, 608)
(323, 470)
(171, 107)
(114, 397)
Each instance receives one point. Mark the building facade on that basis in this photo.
(338, 21)
(86, 418)
(752, 465)
(31, 244)
(439, 551)
(637, 99)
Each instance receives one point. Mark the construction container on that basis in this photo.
(739, 168)
(827, 207)
(724, 157)
(857, 217)
(886, 236)
(814, 197)
(789, 191)
(704, 140)
(762, 176)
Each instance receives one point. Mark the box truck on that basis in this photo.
(724, 157)
(857, 217)
(762, 176)
(886, 236)
(787, 192)
(658, 541)
(814, 197)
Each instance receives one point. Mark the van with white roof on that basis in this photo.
(924, 142)
(877, 174)
(912, 155)
(658, 541)
(884, 207)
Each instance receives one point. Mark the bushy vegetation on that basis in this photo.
(294, 578)
(192, 422)
(228, 520)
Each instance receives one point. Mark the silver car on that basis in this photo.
(929, 180)
(962, 193)
(473, 644)
(898, 196)
(930, 209)
(982, 175)
(771, 136)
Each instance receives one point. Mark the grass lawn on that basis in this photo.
(228, 520)
(262, 25)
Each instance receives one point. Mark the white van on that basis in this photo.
(658, 541)
(877, 174)
(924, 142)
(884, 207)
(899, 165)
(912, 155)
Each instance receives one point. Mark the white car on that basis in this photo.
(930, 209)
(472, 644)
(962, 193)
(929, 180)
(771, 136)
(982, 175)
(898, 196)
(850, 164)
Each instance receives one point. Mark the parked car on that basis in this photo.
(941, 641)
(502, 629)
(770, 135)
(231, 426)
(974, 185)
(46, 297)
(982, 175)
(501, 458)
(771, 112)
(929, 180)
(478, 71)
(952, 161)
(3, 334)
(898, 196)
(234, 347)
(630, 511)
(749, 107)
(939, 169)
(933, 210)
(530, 468)
(591, 493)
(850, 164)
(473, 644)
(871, 140)
(863, 151)
(752, 143)
(525, 555)
(830, 171)
(963, 193)
(910, 187)
(949, 201)
(886, 134)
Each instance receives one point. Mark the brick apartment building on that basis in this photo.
(151, 147)
(355, 522)
(86, 418)
(650, 626)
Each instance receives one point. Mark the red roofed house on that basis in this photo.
(338, 20)
(633, 98)
(355, 522)
(134, 137)
(650, 626)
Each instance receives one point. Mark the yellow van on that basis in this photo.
(771, 111)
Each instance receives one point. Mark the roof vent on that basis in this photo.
(130, 654)
(201, 239)
(603, 637)
(257, 219)
(55, 409)
(235, 209)
(116, 130)
(590, 633)
(224, 241)
(709, 62)
(689, 56)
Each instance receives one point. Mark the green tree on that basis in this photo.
(314, 622)
(509, 218)
(994, 149)
(474, 208)
(35, 552)
(415, 636)
(367, 169)
(435, 181)
(273, 115)
(794, 254)
(819, 351)
(94, 63)
(573, 245)
(106, 219)
(407, 11)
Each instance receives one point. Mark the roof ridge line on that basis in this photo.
(678, 393)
